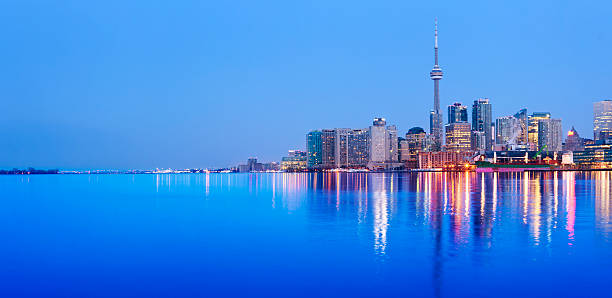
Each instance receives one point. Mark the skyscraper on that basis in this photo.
(457, 113)
(521, 116)
(435, 117)
(533, 134)
(550, 135)
(416, 142)
(506, 130)
(602, 119)
(351, 148)
(378, 141)
(328, 148)
(314, 150)
(482, 120)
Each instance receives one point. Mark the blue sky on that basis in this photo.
(145, 84)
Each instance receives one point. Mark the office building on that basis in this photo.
(295, 161)
(533, 128)
(573, 141)
(550, 135)
(523, 136)
(458, 137)
(328, 148)
(602, 120)
(351, 148)
(457, 113)
(314, 149)
(479, 141)
(482, 120)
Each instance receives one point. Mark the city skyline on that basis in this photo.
(107, 102)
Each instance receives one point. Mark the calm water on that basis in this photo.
(286, 235)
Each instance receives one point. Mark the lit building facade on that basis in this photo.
(416, 140)
(573, 141)
(328, 148)
(314, 149)
(534, 120)
(482, 120)
(458, 136)
(436, 160)
(550, 135)
(296, 161)
(351, 148)
(507, 131)
(602, 120)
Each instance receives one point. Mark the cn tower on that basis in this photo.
(435, 117)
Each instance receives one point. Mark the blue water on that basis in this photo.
(318, 235)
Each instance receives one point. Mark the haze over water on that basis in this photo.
(311, 234)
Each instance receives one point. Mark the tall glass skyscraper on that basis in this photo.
(314, 149)
(602, 119)
(482, 120)
(457, 113)
(533, 134)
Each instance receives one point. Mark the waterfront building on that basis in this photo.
(482, 120)
(550, 135)
(328, 148)
(573, 141)
(595, 156)
(458, 137)
(253, 165)
(295, 161)
(602, 120)
(351, 148)
(457, 113)
(314, 149)
(533, 135)
(436, 160)
(378, 141)
(417, 141)
(435, 117)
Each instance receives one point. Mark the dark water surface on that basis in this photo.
(319, 235)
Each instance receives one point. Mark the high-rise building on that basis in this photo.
(573, 141)
(533, 128)
(602, 120)
(458, 137)
(341, 147)
(435, 117)
(314, 150)
(550, 135)
(507, 131)
(378, 141)
(457, 113)
(416, 140)
(328, 147)
(478, 140)
(522, 138)
(358, 148)
(482, 120)
(392, 142)
(351, 149)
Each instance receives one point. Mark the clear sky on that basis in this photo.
(145, 84)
